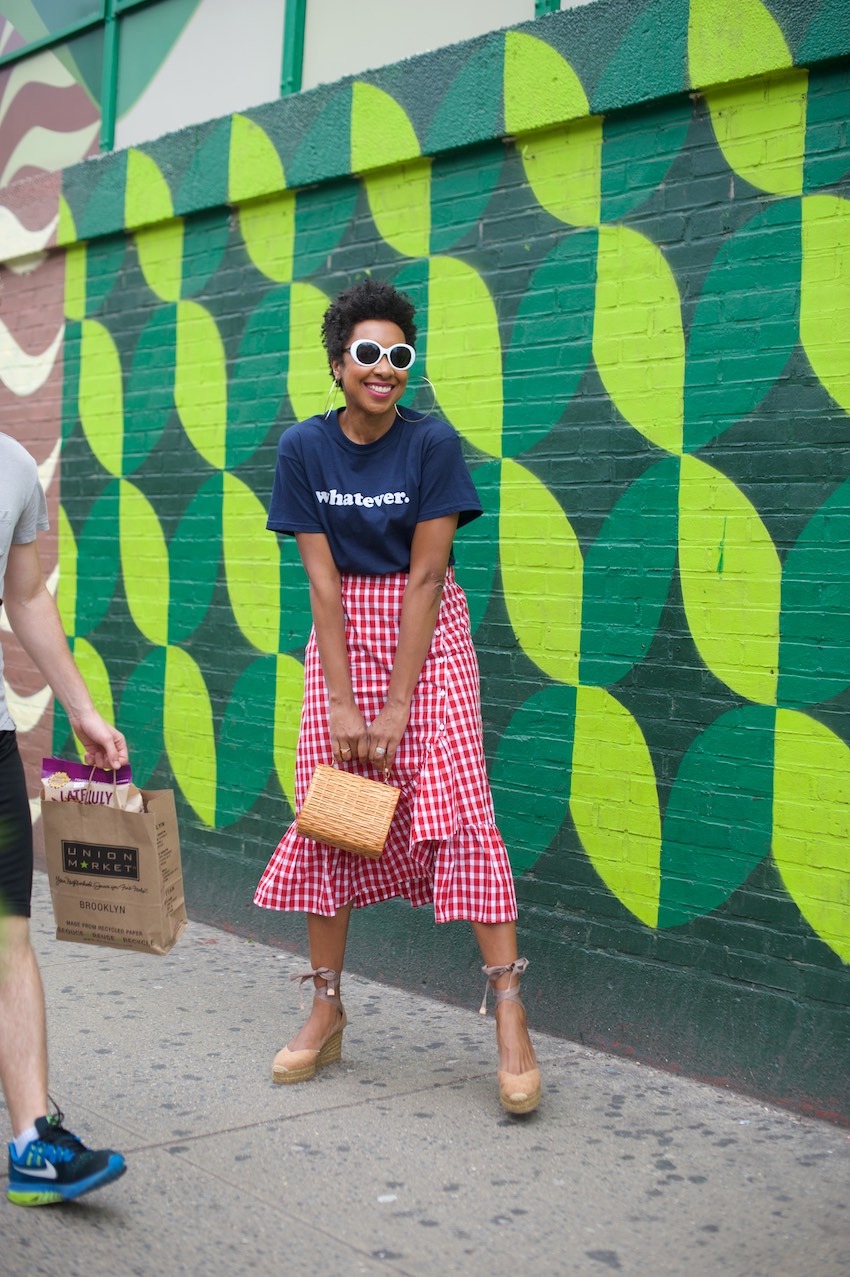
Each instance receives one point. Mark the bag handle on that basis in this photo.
(90, 782)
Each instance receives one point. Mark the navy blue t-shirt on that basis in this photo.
(368, 497)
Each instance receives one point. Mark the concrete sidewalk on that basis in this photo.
(398, 1160)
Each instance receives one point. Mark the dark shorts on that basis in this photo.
(15, 831)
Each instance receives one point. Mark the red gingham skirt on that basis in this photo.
(443, 844)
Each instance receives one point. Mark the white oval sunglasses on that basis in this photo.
(367, 353)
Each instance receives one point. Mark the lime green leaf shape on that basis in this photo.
(462, 185)
(760, 127)
(252, 565)
(75, 282)
(465, 352)
(194, 554)
(811, 825)
(144, 563)
(541, 573)
(400, 203)
(189, 734)
(66, 595)
(258, 380)
(476, 547)
(205, 238)
(147, 197)
(91, 665)
(296, 618)
(564, 169)
(66, 230)
(98, 555)
(730, 576)
(746, 322)
(246, 741)
(381, 132)
(140, 716)
(637, 159)
(149, 210)
(160, 250)
(530, 775)
(733, 40)
(541, 88)
(255, 166)
(614, 801)
(268, 230)
(101, 398)
(551, 341)
(322, 216)
(399, 193)
(719, 817)
(814, 645)
(149, 394)
(309, 376)
(638, 341)
(627, 575)
(825, 292)
(200, 382)
(287, 722)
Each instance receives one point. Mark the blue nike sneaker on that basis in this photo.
(57, 1167)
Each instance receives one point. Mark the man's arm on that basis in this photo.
(35, 621)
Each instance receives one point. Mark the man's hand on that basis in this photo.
(105, 746)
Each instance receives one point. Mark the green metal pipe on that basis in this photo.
(293, 47)
(109, 83)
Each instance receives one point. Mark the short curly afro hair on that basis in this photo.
(369, 299)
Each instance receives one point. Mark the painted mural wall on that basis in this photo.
(630, 255)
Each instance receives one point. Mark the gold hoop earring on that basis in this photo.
(412, 420)
(331, 399)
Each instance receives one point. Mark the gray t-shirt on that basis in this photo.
(23, 512)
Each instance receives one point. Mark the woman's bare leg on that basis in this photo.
(498, 945)
(327, 939)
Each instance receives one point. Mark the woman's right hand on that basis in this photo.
(349, 736)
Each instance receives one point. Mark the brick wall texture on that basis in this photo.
(638, 320)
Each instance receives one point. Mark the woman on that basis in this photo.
(373, 495)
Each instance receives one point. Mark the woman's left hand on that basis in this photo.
(385, 732)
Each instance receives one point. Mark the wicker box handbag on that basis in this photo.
(347, 811)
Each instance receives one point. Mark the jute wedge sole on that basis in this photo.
(300, 1066)
(519, 1092)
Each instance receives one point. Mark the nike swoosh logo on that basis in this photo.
(48, 1171)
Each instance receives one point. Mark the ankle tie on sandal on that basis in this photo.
(517, 967)
(331, 978)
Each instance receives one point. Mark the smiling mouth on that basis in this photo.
(379, 388)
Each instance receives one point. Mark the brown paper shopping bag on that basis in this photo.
(115, 876)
